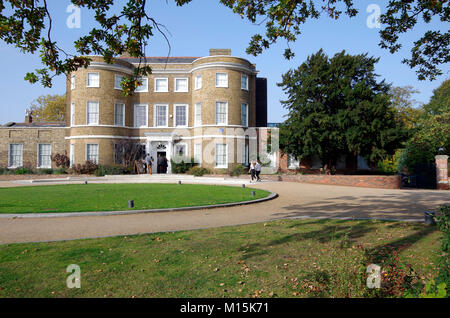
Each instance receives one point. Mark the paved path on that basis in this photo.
(296, 200)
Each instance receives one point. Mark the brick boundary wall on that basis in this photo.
(381, 182)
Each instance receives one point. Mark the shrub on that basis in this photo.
(44, 171)
(183, 166)
(23, 170)
(237, 170)
(390, 165)
(88, 167)
(198, 171)
(60, 171)
(61, 160)
(111, 170)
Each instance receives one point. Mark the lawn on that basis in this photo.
(284, 258)
(114, 197)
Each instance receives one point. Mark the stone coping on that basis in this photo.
(271, 196)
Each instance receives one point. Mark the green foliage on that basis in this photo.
(408, 110)
(237, 170)
(22, 170)
(336, 106)
(198, 171)
(111, 170)
(183, 166)
(389, 165)
(440, 101)
(49, 108)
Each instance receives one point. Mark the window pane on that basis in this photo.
(140, 113)
(221, 113)
(44, 155)
(181, 85)
(93, 80)
(244, 113)
(144, 86)
(119, 114)
(198, 82)
(221, 155)
(117, 80)
(15, 155)
(161, 85)
(198, 114)
(244, 82)
(180, 114)
(92, 153)
(197, 153)
(161, 116)
(72, 82)
(221, 79)
(72, 114)
(92, 113)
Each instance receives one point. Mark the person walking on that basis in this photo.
(257, 170)
(252, 170)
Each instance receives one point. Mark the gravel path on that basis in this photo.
(296, 200)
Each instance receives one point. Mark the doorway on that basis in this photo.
(161, 162)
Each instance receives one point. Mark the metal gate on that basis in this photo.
(423, 178)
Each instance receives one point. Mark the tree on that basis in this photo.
(49, 108)
(337, 107)
(28, 25)
(440, 101)
(408, 109)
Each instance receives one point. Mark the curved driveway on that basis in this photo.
(296, 200)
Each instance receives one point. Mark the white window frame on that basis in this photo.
(39, 166)
(87, 112)
(226, 116)
(135, 115)
(225, 86)
(115, 81)
(144, 85)
(87, 79)
(186, 106)
(198, 153)
(167, 115)
(71, 154)
(222, 166)
(72, 114)
(123, 113)
(72, 82)
(9, 156)
(198, 82)
(176, 90)
(246, 114)
(161, 78)
(86, 152)
(244, 87)
(196, 114)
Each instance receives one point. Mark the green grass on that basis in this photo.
(113, 197)
(285, 258)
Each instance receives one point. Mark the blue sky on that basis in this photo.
(204, 24)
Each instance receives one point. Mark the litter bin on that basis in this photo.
(430, 217)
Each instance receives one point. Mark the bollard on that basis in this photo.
(243, 185)
(429, 218)
(179, 181)
(253, 193)
(131, 203)
(85, 182)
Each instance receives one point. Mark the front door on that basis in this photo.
(160, 166)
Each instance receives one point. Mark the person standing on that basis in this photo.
(159, 162)
(257, 170)
(149, 162)
(165, 165)
(252, 170)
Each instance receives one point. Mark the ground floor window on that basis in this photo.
(44, 155)
(221, 156)
(15, 155)
(198, 153)
(72, 154)
(181, 150)
(92, 153)
(119, 154)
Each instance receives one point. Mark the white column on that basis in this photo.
(169, 156)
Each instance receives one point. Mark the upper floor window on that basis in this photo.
(181, 85)
(161, 114)
(119, 114)
(198, 114)
(143, 87)
(181, 115)
(93, 80)
(92, 113)
(244, 115)
(140, 115)
(198, 82)
(221, 80)
(221, 113)
(244, 82)
(161, 84)
(72, 82)
(44, 154)
(117, 80)
(15, 155)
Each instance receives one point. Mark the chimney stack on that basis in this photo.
(219, 52)
(28, 117)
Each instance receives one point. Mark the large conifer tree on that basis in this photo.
(337, 106)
